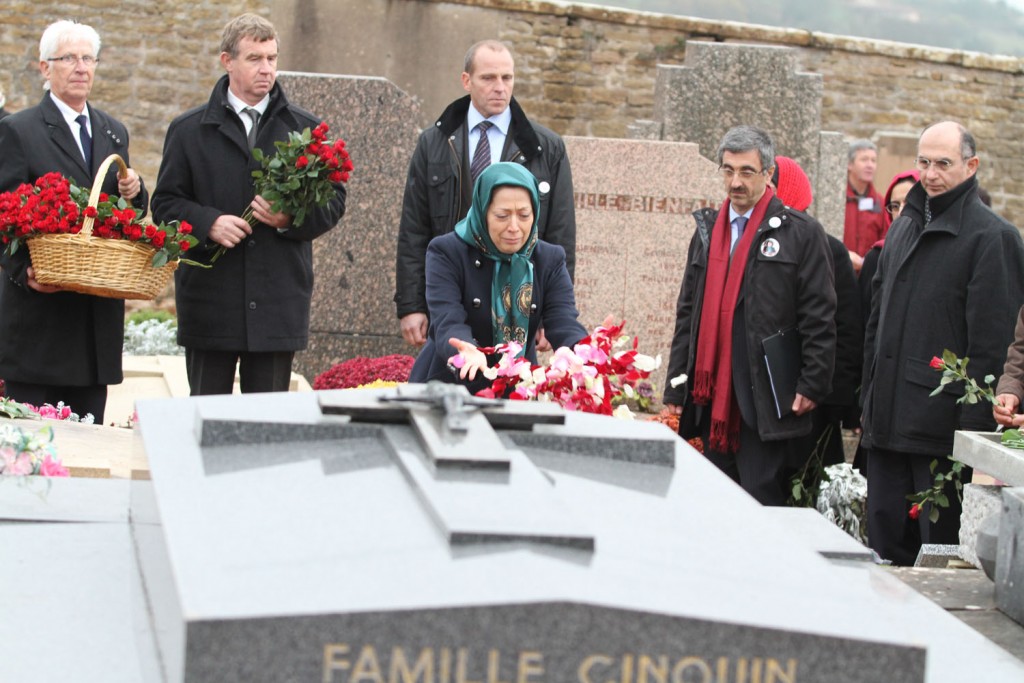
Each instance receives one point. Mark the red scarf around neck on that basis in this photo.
(712, 379)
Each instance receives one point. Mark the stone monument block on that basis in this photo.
(729, 84)
(331, 537)
(634, 219)
(354, 264)
(1010, 556)
(723, 85)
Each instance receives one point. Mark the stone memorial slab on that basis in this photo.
(354, 264)
(296, 570)
(63, 499)
(634, 215)
(810, 527)
(1010, 556)
(68, 603)
(983, 451)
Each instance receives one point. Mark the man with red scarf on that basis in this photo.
(754, 268)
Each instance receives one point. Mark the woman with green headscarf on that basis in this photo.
(492, 281)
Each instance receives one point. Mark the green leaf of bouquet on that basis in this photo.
(275, 164)
(989, 379)
(937, 391)
(160, 258)
(933, 515)
(941, 500)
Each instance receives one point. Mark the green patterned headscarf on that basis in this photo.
(512, 286)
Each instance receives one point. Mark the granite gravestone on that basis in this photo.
(634, 214)
(354, 264)
(329, 537)
(723, 85)
(1009, 577)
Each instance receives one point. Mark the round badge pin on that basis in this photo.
(774, 222)
(770, 247)
(544, 187)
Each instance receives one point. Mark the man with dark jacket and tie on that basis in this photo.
(57, 345)
(251, 309)
(485, 126)
(755, 268)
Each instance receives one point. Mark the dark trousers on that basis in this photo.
(213, 372)
(892, 476)
(761, 467)
(82, 400)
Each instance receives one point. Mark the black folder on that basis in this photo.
(783, 357)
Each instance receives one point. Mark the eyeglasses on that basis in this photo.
(894, 208)
(744, 173)
(923, 164)
(88, 61)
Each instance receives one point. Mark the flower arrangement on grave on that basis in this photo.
(14, 410)
(301, 175)
(54, 205)
(23, 454)
(842, 499)
(360, 372)
(597, 375)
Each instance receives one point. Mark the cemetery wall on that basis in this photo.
(583, 70)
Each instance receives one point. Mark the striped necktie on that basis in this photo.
(482, 155)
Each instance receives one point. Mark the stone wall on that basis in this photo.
(582, 70)
(590, 71)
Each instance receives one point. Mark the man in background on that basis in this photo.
(865, 215)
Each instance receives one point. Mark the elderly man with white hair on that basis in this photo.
(57, 345)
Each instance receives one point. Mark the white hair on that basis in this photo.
(64, 31)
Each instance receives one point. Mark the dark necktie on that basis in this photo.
(86, 139)
(255, 116)
(741, 222)
(482, 155)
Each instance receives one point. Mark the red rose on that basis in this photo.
(185, 228)
(302, 162)
(915, 511)
(936, 363)
(104, 197)
(335, 177)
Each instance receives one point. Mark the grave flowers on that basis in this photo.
(366, 372)
(597, 375)
(23, 454)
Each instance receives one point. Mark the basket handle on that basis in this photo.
(97, 187)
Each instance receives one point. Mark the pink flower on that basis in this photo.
(51, 467)
(16, 464)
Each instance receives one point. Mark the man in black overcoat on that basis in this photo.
(251, 308)
(951, 276)
(55, 345)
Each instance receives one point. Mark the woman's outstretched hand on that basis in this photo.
(469, 360)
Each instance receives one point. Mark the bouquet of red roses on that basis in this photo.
(302, 174)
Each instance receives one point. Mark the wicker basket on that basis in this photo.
(115, 269)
